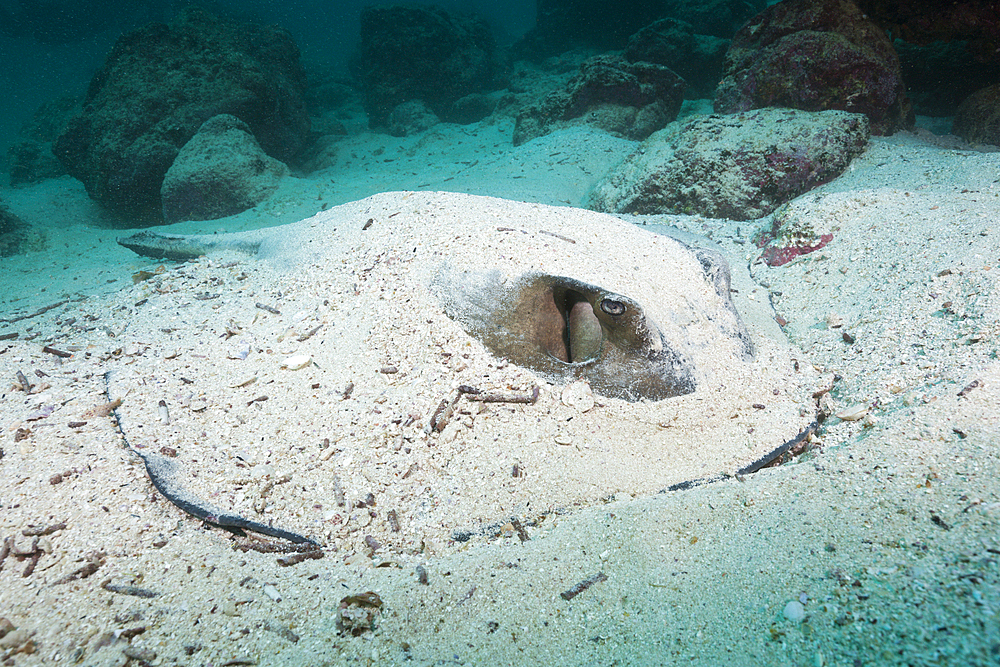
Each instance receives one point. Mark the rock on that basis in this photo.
(630, 100)
(562, 25)
(978, 117)
(221, 171)
(741, 166)
(158, 86)
(14, 233)
(971, 23)
(940, 75)
(815, 55)
(411, 117)
(30, 157)
(424, 53)
(674, 44)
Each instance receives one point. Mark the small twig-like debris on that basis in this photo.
(442, 415)
(388, 370)
(95, 559)
(347, 390)
(102, 410)
(296, 558)
(32, 531)
(264, 306)
(528, 399)
(77, 424)
(36, 313)
(25, 385)
(5, 549)
(583, 585)
(938, 521)
(259, 399)
(393, 520)
(969, 387)
(558, 236)
(338, 492)
(135, 591)
(421, 575)
(9, 336)
(238, 661)
(312, 332)
(35, 556)
(58, 353)
(522, 534)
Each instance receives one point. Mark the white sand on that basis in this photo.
(888, 536)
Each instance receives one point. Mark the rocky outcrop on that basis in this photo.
(411, 117)
(30, 156)
(421, 53)
(972, 23)
(673, 43)
(562, 25)
(158, 86)
(221, 171)
(740, 166)
(630, 100)
(815, 55)
(978, 117)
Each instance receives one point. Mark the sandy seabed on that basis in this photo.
(880, 546)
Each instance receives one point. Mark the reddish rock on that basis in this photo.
(815, 55)
(978, 117)
(741, 166)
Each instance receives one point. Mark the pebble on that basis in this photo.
(853, 413)
(297, 362)
(272, 592)
(795, 611)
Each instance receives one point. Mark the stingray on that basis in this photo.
(466, 360)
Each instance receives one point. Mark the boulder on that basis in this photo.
(674, 44)
(221, 171)
(421, 53)
(740, 166)
(972, 24)
(411, 117)
(14, 233)
(630, 100)
(562, 25)
(978, 117)
(815, 55)
(158, 86)
(30, 156)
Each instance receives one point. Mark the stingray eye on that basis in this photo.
(612, 307)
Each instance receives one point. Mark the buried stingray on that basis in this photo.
(379, 311)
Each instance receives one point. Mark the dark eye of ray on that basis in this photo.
(612, 307)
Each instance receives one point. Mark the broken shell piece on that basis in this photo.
(853, 413)
(578, 395)
(563, 439)
(297, 362)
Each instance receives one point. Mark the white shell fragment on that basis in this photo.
(853, 413)
(272, 592)
(578, 395)
(297, 362)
